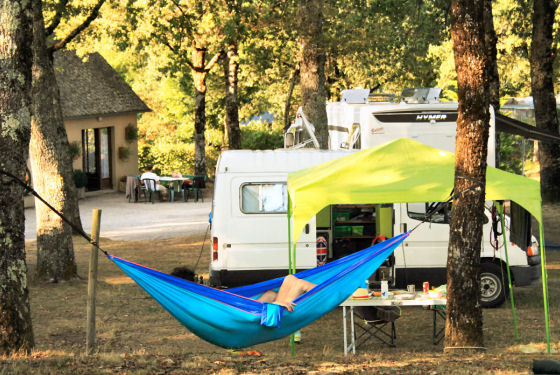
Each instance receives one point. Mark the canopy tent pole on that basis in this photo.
(500, 207)
(544, 286)
(291, 264)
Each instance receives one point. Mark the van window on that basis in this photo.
(264, 198)
(417, 211)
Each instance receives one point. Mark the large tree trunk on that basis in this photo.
(231, 64)
(16, 332)
(199, 77)
(542, 86)
(490, 39)
(51, 164)
(312, 68)
(464, 316)
(287, 105)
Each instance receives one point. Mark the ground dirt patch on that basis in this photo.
(136, 336)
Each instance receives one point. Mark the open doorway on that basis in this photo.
(97, 160)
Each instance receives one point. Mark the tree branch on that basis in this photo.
(213, 62)
(92, 16)
(57, 18)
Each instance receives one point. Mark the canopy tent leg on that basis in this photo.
(544, 286)
(500, 207)
(291, 265)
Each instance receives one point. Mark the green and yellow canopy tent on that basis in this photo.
(401, 171)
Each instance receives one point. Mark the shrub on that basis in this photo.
(259, 136)
(80, 178)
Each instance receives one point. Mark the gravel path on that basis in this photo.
(123, 221)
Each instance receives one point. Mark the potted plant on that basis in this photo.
(124, 153)
(81, 180)
(130, 133)
(75, 150)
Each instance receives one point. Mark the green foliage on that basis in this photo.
(259, 136)
(130, 133)
(80, 178)
(167, 158)
(513, 152)
(75, 150)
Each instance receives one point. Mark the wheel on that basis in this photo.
(492, 291)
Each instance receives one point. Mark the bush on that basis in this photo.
(80, 178)
(259, 136)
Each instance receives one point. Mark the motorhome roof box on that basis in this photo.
(355, 96)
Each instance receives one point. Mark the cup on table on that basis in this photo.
(410, 288)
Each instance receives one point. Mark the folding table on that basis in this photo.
(419, 299)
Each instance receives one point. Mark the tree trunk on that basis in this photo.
(312, 68)
(287, 105)
(231, 64)
(542, 86)
(490, 38)
(464, 316)
(199, 77)
(16, 332)
(51, 164)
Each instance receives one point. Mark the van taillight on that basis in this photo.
(214, 248)
(530, 251)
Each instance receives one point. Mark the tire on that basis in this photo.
(492, 289)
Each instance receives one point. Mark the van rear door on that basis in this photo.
(423, 255)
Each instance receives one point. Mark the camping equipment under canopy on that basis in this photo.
(401, 171)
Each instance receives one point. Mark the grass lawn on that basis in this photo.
(135, 335)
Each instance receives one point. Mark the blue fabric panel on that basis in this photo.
(271, 315)
(233, 321)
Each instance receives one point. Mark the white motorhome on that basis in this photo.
(250, 233)
(249, 226)
(358, 123)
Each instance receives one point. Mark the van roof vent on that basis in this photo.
(422, 95)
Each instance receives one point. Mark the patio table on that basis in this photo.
(174, 184)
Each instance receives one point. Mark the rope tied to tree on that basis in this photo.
(66, 220)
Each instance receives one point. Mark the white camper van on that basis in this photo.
(250, 233)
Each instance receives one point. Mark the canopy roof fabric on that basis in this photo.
(396, 172)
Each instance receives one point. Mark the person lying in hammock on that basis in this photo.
(291, 288)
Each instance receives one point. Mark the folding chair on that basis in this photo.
(377, 322)
(198, 184)
(148, 187)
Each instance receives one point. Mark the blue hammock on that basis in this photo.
(233, 319)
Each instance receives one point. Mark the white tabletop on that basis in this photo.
(165, 178)
(419, 300)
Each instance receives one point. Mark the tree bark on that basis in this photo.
(464, 316)
(312, 68)
(51, 164)
(16, 332)
(287, 119)
(490, 38)
(542, 86)
(231, 64)
(199, 77)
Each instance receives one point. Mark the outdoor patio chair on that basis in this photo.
(197, 187)
(148, 188)
(176, 187)
(376, 322)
